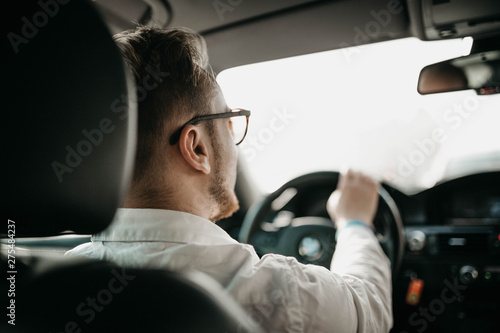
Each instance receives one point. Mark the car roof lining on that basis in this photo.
(296, 32)
(240, 32)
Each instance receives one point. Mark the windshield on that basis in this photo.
(359, 108)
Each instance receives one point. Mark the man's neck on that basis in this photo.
(184, 201)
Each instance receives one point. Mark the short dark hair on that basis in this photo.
(174, 61)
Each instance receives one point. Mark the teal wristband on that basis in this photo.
(351, 224)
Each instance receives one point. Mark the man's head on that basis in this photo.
(197, 174)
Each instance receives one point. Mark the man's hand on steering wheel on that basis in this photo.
(355, 199)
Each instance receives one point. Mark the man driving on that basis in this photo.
(184, 179)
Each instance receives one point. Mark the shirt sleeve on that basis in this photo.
(366, 270)
(284, 295)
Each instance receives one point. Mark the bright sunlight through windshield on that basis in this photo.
(359, 108)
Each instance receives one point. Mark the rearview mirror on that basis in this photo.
(480, 71)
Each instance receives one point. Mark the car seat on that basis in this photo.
(69, 134)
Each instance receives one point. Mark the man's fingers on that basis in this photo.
(344, 178)
(368, 181)
(358, 178)
(332, 203)
(341, 182)
(355, 199)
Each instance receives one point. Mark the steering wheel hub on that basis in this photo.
(310, 248)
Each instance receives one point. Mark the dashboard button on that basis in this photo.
(416, 240)
(468, 274)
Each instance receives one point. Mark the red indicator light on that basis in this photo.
(499, 237)
(414, 291)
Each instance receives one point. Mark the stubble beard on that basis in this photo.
(224, 198)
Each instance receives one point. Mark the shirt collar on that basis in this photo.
(149, 225)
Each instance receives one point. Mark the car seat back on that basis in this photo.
(69, 132)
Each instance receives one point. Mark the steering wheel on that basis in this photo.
(293, 221)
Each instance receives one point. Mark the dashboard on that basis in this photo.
(449, 276)
(452, 234)
(481, 207)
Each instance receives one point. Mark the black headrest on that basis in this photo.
(70, 119)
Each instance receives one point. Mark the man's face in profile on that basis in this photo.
(225, 157)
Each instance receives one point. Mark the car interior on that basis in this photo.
(70, 153)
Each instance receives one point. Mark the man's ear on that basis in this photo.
(193, 146)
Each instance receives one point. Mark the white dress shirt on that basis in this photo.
(278, 292)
